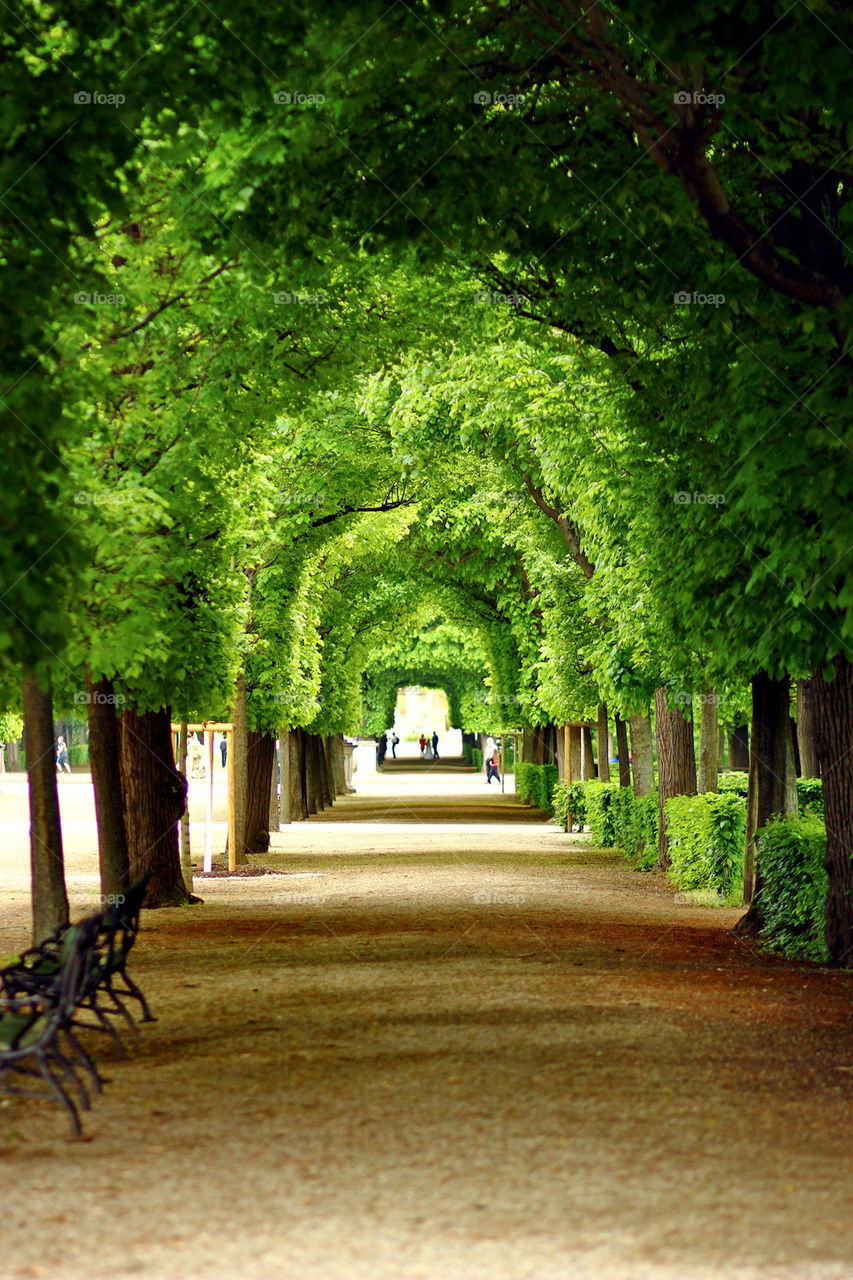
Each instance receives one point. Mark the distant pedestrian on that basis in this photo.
(435, 744)
(395, 742)
(422, 745)
(62, 756)
(223, 749)
(492, 768)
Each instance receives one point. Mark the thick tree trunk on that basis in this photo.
(155, 796)
(641, 754)
(275, 794)
(285, 758)
(260, 762)
(13, 757)
(622, 751)
(603, 745)
(709, 742)
(339, 772)
(807, 729)
(313, 780)
(739, 749)
(184, 826)
(239, 746)
(676, 763)
(326, 772)
(106, 780)
(298, 776)
(47, 867)
(772, 780)
(833, 705)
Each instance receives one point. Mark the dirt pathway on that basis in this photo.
(447, 1051)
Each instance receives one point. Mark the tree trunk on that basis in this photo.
(622, 751)
(239, 745)
(641, 755)
(155, 796)
(739, 749)
(47, 867)
(709, 742)
(326, 771)
(106, 780)
(833, 705)
(184, 826)
(603, 745)
(313, 781)
(339, 772)
(298, 776)
(676, 763)
(590, 768)
(807, 729)
(275, 794)
(13, 757)
(260, 770)
(285, 754)
(772, 781)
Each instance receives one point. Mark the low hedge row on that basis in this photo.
(793, 885)
(617, 818)
(535, 783)
(809, 790)
(706, 837)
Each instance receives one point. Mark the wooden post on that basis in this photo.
(275, 807)
(186, 862)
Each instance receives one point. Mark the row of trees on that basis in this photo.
(531, 320)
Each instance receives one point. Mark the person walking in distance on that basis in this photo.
(492, 768)
(435, 744)
(62, 764)
(422, 745)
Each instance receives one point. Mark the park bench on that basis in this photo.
(37, 1040)
(40, 978)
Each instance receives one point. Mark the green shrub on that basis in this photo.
(706, 836)
(476, 757)
(78, 753)
(565, 795)
(793, 885)
(599, 813)
(535, 783)
(735, 781)
(810, 796)
(617, 818)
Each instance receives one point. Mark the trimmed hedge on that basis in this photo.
(535, 783)
(78, 753)
(476, 757)
(794, 885)
(617, 818)
(706, 836)
(809, 790)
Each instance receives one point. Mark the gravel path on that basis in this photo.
(444, 1047)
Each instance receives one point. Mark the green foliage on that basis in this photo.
(706, 842)
(535, 783)
(793, 886)
(734, 782)
(810, 796)
(476, 755)
(565, 796)
(598, 797)
(78, 753)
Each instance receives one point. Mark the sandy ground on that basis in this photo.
(450, 1042)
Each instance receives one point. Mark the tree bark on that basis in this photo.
(641, 754)
(47, 866)
(275, 795)
(298, 776)
(313, 781)
(833, 705)
(326, 772)
(106, 780)
(772, 780)
(260, 769)
(739, 749)
(807, 729)
(709, 742)
(603, 745)
(184, 826)
(240, 747)
(155, 796)
(285, 755)
(676, 763)
(622, 751)
(339, 772)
